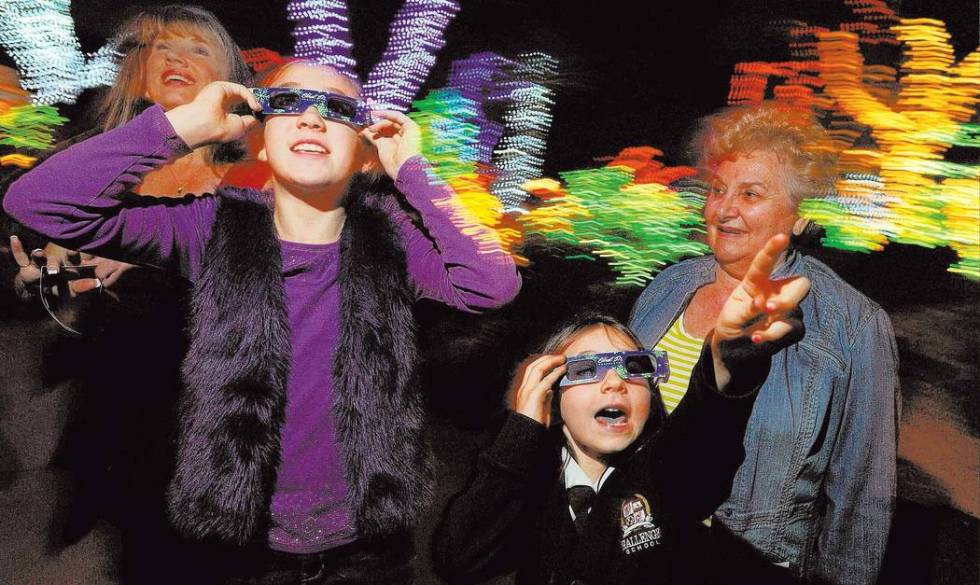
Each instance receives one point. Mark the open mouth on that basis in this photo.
(176, 78)
(611, 417)
(308, 148)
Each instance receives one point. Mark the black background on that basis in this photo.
(632, 72)
(641, 73)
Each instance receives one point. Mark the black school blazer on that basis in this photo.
(645, 526)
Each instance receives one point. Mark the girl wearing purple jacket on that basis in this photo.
(301, 436)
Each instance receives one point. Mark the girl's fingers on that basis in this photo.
(248, 122)
(381, 129)
(532, 368)
(542, 366)
(525, 373)
(392, 115)
(380, 124)
(252, 102)
(367, 135)
(234, 93)
(539, 370)
(548, 381)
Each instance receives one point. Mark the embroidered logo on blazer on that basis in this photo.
(639, 530)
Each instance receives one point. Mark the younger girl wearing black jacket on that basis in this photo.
(599, 486)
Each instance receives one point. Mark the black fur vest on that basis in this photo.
(238, 361)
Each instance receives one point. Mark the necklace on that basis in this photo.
(192, 179)
(176, 180)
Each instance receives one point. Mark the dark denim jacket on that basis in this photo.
(817, 487)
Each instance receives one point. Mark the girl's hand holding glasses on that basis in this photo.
(397, 138)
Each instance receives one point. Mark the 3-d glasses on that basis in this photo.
(288, 101)
(650, 364)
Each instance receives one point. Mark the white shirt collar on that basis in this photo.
(574, 475)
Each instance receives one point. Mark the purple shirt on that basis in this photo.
(309, 508)
(73, 199)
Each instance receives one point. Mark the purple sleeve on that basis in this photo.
(76, 198)
(445, 264)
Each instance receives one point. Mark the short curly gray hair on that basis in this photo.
(792, 134)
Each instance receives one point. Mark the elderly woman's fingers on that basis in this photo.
(764, 338)
(780, 332)
(790, 293)
(756, 279)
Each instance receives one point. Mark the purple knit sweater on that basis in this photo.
(73, 198)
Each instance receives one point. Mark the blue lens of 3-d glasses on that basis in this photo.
(650, 364)
(288, 101)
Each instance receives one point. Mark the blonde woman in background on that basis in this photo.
(169, 54)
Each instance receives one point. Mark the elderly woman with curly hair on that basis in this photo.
(813, 499)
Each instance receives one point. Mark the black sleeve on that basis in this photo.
(487, 527)
(692, 460)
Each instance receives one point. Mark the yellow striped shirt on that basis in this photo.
(683, 351)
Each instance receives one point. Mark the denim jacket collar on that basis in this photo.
(704, 272)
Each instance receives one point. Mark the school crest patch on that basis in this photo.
(639, 530)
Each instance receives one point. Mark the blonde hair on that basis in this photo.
(797, 140)
(124, 100)
(272, 76)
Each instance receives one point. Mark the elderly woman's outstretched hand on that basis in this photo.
(761, 316)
